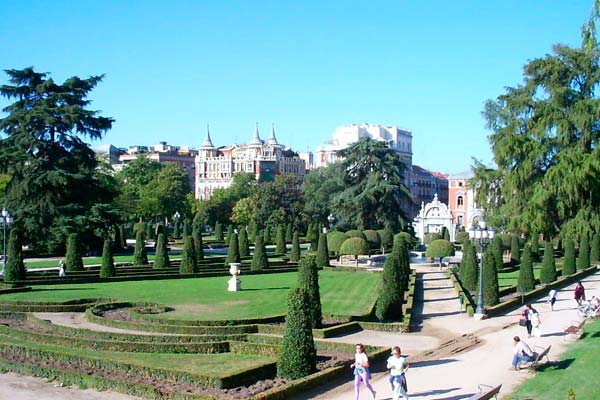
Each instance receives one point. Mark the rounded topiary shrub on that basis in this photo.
(440, 248)
(548, 271)
(73, 258)
(355, 246)
(335, 240)
(297, 356)
(107, 268)
(569, 259)
(140, 256)
(526, 281)
(356, 233)
(161, 260)
(188, 264)
(387, 239)
(308, 279)
(373, 239)
(295, 252)
(322, 258)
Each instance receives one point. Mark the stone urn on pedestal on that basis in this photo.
(235, 284)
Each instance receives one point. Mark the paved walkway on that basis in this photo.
(472, 351)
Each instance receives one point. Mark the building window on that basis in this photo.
(459, 201)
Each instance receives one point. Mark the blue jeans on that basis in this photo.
(519, 358)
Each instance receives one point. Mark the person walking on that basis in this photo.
(361, 371)
(521, 353)
(579, 293)
(534, 320)
(398, 366)
(526, 319)
(552, 298)
(62, 269)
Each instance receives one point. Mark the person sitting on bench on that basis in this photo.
(522, 353)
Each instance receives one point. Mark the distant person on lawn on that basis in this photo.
(62, 268)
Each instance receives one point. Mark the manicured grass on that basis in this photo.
(342, 293)
(507, 279)
(576, 369)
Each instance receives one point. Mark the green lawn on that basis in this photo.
(577, 369)
(506, 279)
(342, 293)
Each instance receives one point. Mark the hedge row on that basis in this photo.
(321, 345)
(7, 289)
(259, 349)
(67, 306)
(135, 314)
(462, 293)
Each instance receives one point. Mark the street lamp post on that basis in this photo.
(7, 219)
(484, 237)
(330, 219)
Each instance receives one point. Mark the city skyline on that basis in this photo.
(307, 68)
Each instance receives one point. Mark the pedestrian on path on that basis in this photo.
(62, 269)
(521, 353)
(361, 371)
(398, 366)
(579, 293)
(552, 298)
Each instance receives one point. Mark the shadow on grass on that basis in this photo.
(556, 365)
(269, 288)
(61, 289)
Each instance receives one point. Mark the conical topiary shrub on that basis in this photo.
(595, 249)
(255, 232)
(308, 279)
(314, 241)
(233, 253)
(526, 281)
(188, 257)
(198, 243)
(569, 259)
(107, 268)
(498, 248)
(229, 232)
(140, 256)
(322, 258)
(289, 233)
(491, 291)
(117, 243)
(243, 241)
(280, 247)
(15, 269)
(149, 231)
(176, 230)
(469, 268)
(515, 250)
(548, 271)
(535, 246)
(391, 296)
(186, 228)
(260, 260)
(583, 261)
(295, 252)
(161, 260)
(297, 356)
(218, 231)
(73, 258)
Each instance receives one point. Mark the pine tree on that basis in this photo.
(260, 260)
(161, 260)
(583, 261)
(107, 269)
(280, 247)
(526, 281)
(295, 253)
(515, 250)
(308, 279)
(297, 356)
(595, 249)
(289, 233)
(15, 269)
(198, 243)
(569, 259)
(322, 258)
(491, 291)
(188, 257)
(469, 270)
(243, 241)
(140, 256)
(548, 271)
(233, 253)
(73, 257)
(218, 231)
(391, 296)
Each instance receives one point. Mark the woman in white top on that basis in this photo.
(361, 371)
(398, 366)
(522, 353)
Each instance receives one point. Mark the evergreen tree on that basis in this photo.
(569, 259)
(308, 279)
(289, 233)
(243, 240)
(198, 243)
(188, 257)
(583, 261)
(73, 258)
(140, 256)
(123, 232)
(445, 234)
(548, 271)
(387, 240)
(280, 241)
(255, 232)
(469, 269)
(391, 296)
(297, 356)
(186, 228)
(218, 231)
(322, 258)
(229, 232)
(309, 233)
(595, 249)
(526, 281)
(260, 260)
(15, 269)
(176, 231)
(515, 250)
(149, 231)
(314, 241)
(491, 291)
(233, 254)
(118, 241)
(107, 269)
(295, 253)
(535, 246)
(162, 255)
(498, 247)
(267, 235)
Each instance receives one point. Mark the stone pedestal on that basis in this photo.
(234, 283)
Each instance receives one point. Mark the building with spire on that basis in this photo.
(215, 167)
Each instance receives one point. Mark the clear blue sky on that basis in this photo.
(308, 66)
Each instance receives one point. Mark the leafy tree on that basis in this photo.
(319, 187)
(140, 256)
(134, 178)
(260, 260)
(355, 246)
(469, 269)
(440, 248)
(15, 269)
(373, 238)
(166, 192)
(322, 257)
(243, 211)
(162, 254)
(277, 202)
(53, 182)
(233, 254)
(220, 205)
(491, 291)
(569, 259)
(391, 296)
(583, 261)
(243, 240)
(515, 250)
(189, 264)
(107, 269)
(387, 239)
(73, 258)
(548, 271)
(544, 143)
(280, 241)
(308, 279)
(595, 249)
(198, 243)
(526, 281)
(297, 356)
(295, 252)
(335, 240)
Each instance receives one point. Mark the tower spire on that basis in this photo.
(256, 139)
(273, 139)
(207, 141)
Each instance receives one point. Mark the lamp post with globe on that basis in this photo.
(7, 219)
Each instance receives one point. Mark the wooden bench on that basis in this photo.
(486, 392)
(538, 360)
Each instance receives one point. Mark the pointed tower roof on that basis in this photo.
(273, 140)
(207, 142)
(256, 139)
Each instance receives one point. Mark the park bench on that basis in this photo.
(539, 358)
(486, 392)
(575, 328)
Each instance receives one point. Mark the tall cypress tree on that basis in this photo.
(218, 231)
(107, 269)
(491, 291)
(308, 279)
(243, 241)
(233, 253)
(229, 232)
(176, 231)
(280, 247)
(583, 261)
(569, 259)
(548, 271)
(322, 258)
(469, 269)
(118, 241)
(188, 257)
(595, 249)
(198, 243)
(297, 356)
(15, 269)
(391, 296)
(515, 250)
(73, 257)
(140, 256)
(289, 233)
(314, 241)
(498, 248)
(162, 255)
(149, 231)
(526, 281)
(186, 228)
(255, 232)
(535, 246)
(295, 253)
(260, 260)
